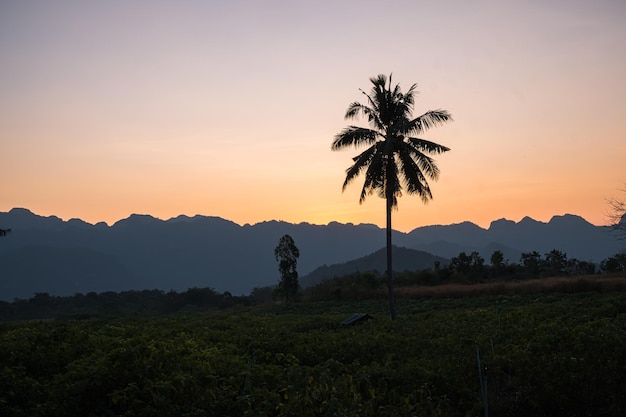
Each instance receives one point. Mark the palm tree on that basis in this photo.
(395, 159)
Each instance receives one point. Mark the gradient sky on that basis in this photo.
(229, 108)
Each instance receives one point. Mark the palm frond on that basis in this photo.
(355, 109)
(412, 172)
(428, 166)
(423, 145)
(361, 161)
(373, 117)
(430, 119)
(374, 176)
(410, 94)
(390, 187)
(366, 190)
(354, 136)
(425, 163)
(380, 80)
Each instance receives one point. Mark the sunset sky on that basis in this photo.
(229, 108)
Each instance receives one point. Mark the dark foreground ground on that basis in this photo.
(540, 354)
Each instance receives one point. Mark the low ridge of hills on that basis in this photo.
(48, 254)
(404, 259)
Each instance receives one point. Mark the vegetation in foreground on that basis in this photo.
(541, 355)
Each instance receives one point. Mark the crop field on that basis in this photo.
(539, 355)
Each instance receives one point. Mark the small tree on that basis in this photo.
(497, 263)
(287, 255)
(615, 263)
(555, 263)
(461, 264)
(468, 267)
(532, 263)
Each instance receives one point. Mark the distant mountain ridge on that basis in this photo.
(569, 233)
(142, 252)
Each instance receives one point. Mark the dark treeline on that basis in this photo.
(126, 303)
(462, 269)
(473, 269)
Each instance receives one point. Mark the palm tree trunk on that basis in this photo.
(392, 302)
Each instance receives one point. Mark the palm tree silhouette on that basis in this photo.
(395, 159)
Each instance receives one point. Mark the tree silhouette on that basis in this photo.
(497, 259)
(555, 263)
(469, 267)
(615, 263)
(395, 159)
(287, 255)
(498, 263)
(617, 215)
(3, 232)
(532, 263)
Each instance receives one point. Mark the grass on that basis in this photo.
(575, 284)
(583, 283)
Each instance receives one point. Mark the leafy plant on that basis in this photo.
(544, 355)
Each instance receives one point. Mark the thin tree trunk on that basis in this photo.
(392, 302)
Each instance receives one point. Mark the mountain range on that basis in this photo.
(48, 254)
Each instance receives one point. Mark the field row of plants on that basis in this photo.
(541, 355)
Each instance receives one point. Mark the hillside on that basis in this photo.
(403, 260)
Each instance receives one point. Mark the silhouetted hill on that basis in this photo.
(47, 254)
(403, 260)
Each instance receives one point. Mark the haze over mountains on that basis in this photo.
(47, 254)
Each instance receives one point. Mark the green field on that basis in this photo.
(541, 355)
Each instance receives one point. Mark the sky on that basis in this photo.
(229, 108)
